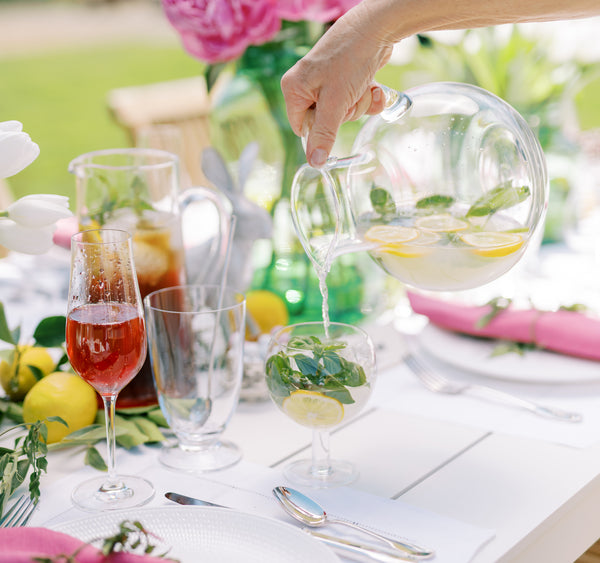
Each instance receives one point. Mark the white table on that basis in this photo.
(541, 499)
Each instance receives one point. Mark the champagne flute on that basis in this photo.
(320, 376)
(106, 345)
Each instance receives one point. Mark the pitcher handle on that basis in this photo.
(218, 247)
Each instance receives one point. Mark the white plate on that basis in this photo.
(475, 356)
(215, 535)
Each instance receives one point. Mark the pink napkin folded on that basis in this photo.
(21, 545)
(566, 332)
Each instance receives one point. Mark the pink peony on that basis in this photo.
(221, 30)
(314, 10)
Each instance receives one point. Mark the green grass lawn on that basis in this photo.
(60, 98)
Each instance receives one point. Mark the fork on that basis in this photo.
(19, 513)
(439, 384)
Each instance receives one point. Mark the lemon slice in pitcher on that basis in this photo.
(493, 244)
(313, 409)
(441, 223)
(390, 237)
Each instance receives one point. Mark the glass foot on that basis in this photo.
(217, 455)
(96, 495)
(337, 474)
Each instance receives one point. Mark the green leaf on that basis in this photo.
(36, 371)
(5, 334)
(435, 203)
(212, 72)
(505, 347)
(86, 435)
(382, 201)
(497, 305)
(307, 365)
(332, 362)
(128, 434)
(503, 196)
(158, 418)
(337, 391)
(94, 459)
(149, 428)
(50, 332)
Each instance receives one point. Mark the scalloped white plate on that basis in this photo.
(212, 535)
(474, 355)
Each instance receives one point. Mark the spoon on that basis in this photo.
(308, 512)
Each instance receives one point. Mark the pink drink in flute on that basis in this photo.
(106, 345)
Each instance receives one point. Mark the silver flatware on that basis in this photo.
(436, 382)
(307, 511)
(184, 499)
(342, 546)
(19, 513)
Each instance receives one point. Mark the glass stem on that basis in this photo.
(321, 463)
(112, 482)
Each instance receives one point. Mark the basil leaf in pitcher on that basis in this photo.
(382, 201)
(435, 203)
(502, 196)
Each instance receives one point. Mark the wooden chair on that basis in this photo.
(171, 115)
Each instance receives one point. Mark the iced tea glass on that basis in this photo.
(138, 190)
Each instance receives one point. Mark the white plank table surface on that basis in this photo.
(542, 499)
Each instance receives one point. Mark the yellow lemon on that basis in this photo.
(493, 244)
(441, 223)
(61, 394)
(265, 311)
(17, 377)
(313, 409)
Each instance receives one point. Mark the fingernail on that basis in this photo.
(318, 158)
(376, 94)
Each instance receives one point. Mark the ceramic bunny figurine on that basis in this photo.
(252, 221)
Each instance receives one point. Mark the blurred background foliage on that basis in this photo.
(60, 94)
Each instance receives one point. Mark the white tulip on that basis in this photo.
(39, 210)
(25, 239)
(17, 150)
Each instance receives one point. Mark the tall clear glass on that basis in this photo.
(320, 376)
(106, 345)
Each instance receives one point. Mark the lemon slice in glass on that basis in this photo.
(442, 223)
(313, 409)
(493, 244)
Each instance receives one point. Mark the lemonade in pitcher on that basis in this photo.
(444, 193)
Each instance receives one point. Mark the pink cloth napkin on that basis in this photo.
(21, 545)
(566, 332)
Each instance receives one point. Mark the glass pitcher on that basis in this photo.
(138, 190)
(444, 190)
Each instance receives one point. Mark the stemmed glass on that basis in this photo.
(106, 345)
(320, 376)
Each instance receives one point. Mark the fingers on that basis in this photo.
(370, 103)
(328, 119)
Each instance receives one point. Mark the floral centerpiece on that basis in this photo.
(28, 224)
(262, 39)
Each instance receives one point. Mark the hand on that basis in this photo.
(335, 79)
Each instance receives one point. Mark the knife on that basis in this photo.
(183, 499)
(347, 548)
